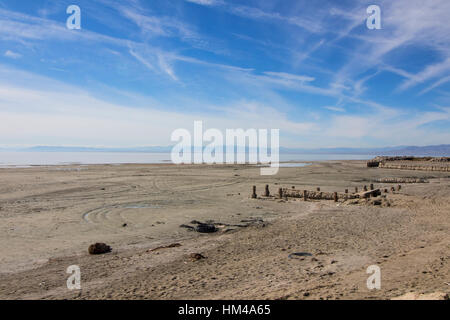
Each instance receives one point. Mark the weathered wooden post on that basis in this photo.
(371, 186)
(254, 193)
(385, 190)
(365, 188)
(305, 197)
(356, 189)
(280, 193)
(346, 190)
(318, 188)
(399, 187)
(392, 189)
(267, 193)
(293, 187)
(335, 196)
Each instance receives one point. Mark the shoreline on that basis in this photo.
(50, 217)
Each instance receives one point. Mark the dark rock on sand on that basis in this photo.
(299, 254)
(99, 248)
(206, 228)
(196, 256)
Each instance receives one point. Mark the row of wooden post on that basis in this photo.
(335, 194)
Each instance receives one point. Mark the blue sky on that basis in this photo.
(137, 71)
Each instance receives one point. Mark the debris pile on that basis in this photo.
(211, 226)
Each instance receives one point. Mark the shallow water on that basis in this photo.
(8, 159)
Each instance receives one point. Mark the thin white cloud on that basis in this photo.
(429, 72)
(435, 85)
(205, 2)
(289, 76)
(334, 108)
(12, 54)
(405, 23)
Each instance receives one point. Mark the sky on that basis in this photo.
(138, 70)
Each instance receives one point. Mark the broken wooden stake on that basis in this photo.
(304, 195)
(335, 196)
(267, 193)
(254, 193)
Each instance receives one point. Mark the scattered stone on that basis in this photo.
(99, 248)
(205, 228)
(196, 256)
(172, 245)
(299, 254)
(376, 202)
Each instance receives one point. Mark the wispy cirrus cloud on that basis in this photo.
(206, 2)
(12, 54)
(311, 68)
(430, 72)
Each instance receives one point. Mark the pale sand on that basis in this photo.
(50, 215)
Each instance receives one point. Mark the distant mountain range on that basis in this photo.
(442, 150)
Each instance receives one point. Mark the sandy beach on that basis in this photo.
(264, 248)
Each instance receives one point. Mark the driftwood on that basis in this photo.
(315, 195)
(370, 193)
(173, 245)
